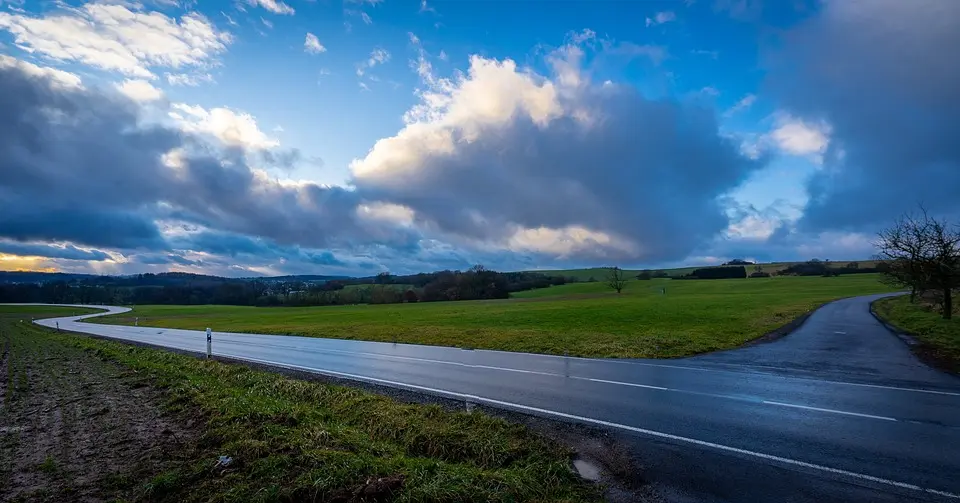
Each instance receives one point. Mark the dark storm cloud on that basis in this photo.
(648, 170)
(77, 165)
(32, 218)
(885, 75)
(252, 250)
(221, 243)
(165, 259)
(67, 252)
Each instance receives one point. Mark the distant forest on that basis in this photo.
(475, 283)
(186, 289)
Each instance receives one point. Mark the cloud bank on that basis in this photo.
(498, 164)
(882, 74)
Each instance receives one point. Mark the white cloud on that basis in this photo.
(274, 6)
(378, 56)
(139, 90)
(229, 19)
(655, 53)
(754, 226)
(312, 44)
(703, 52)
(745, 103)
(838, 245)
(426, 8)
(119, 38)
(57, 77)
(266, 22)
(797, 137)
(502, 158)
(568, 242)
(661, 18)
(751, 145)
(185, 79)
(387, 212)
(233, 128)
(366, 18)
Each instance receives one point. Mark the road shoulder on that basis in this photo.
(932, 339)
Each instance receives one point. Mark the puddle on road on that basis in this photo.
(587, 469)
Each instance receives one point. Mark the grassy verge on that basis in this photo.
(292, 440)
(939, 338)
(584, 319)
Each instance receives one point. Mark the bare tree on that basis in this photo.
(903, 246)
(923, 253)
(616, 279)
(944, 262)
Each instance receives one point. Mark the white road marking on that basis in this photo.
(233, 339)
(505, 369)
(828, 410)
(896, 388)
(620, 383)
(703, 443)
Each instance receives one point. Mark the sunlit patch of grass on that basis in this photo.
(583, 319)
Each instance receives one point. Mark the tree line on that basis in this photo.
(188, 289)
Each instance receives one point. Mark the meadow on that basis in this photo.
(582, 319)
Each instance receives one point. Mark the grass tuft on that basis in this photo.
(48, 466)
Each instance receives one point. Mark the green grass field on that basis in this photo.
(290, 440)
(584, 319)
(939, 338)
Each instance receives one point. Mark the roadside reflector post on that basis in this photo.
(136, 321)
(209, 342)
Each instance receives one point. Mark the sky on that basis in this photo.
(268, 137)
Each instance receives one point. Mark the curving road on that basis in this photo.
(839, 410)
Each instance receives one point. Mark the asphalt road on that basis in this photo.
(839, 410)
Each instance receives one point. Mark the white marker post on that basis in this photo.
(136, 321)
(209, 342)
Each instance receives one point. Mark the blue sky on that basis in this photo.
(349, 137)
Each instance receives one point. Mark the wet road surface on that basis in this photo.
(839, 410)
